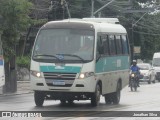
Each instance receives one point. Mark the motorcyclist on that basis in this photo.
(135, 68)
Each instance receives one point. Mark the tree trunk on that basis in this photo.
(7, 78)
(10, 76)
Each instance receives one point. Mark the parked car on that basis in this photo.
(156, 65)
(146, 73)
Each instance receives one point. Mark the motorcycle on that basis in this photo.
(133, 81)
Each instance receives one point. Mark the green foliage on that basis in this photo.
(38, 22)
(80, 8)
(145, 30)
(15, 21)
(23, 61)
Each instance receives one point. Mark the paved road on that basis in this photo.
(145, 99)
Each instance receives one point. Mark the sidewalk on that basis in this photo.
(23, 87)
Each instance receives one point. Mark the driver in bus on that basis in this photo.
(87, 46)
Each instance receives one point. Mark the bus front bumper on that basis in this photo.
(79, 85)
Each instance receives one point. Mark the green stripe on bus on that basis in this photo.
(107, 64)
(65, 69)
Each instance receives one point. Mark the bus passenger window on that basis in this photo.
(124, 44)
(112, 45)
(105, 44)
(100, 45)
(118, 44)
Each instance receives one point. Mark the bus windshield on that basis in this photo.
(69, 45)
(156, 62)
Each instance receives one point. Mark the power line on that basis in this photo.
(79, 7)
(146, 33)
(145, 26)
(40, 9)
(103, 7)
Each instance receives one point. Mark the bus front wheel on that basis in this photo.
(39, 98)
(96, 96)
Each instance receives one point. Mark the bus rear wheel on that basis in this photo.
(108, 99)
(116, 95)
(63, 102)
(96, 96)
(39, 98)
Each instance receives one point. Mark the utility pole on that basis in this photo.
(63, 7)
(92, 8)
(99, 14)
(103, 7)
(134, 24)
(63, 2)
(97, 11)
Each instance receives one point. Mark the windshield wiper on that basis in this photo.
(73, 56)
(45, 55)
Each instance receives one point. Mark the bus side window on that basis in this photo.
(100, 45)
(118, 44)
(112, 46)
(125, 44)
(105, 44)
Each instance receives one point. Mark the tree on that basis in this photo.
(15, 22)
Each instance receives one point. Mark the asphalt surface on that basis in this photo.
(146, 99)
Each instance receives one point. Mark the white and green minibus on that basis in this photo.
(63, 68)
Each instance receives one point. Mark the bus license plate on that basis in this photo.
(58, 82)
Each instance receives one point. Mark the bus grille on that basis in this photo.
(66, 78)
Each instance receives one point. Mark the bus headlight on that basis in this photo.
(36, 74)
(85, 75)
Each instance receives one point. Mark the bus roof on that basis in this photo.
(99, 24)
(103, 20)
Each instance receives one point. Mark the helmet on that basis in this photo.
(134, 62)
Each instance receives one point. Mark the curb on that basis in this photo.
(23, 81)
(22, 88)
(12, 94)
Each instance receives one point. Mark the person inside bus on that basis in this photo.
(87, 46)
(135, 68)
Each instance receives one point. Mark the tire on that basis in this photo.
(131, 88)
(131, 85)
(70, 102)
(95, 98)
(63, 102)
(39, 98)
(149, 82)
(135, 86)
(108, 99)
(154, 81)
(116, 95)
